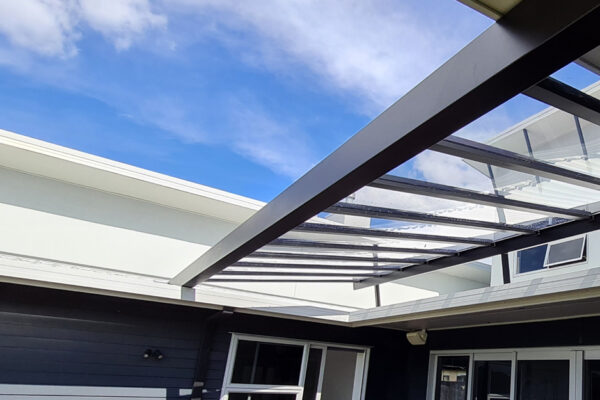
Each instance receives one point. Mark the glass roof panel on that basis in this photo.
(582, 73)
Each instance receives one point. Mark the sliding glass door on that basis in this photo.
(514, 375)
(548, 375)
(492, 376)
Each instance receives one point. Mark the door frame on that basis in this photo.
(575, 354)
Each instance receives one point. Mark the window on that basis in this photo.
(551, 255)
(492, 380)
(515, 374)
(267, 363)
(261, 368)
(452, 373)
(543, 379)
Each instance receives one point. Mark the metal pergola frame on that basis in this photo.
(515, 55)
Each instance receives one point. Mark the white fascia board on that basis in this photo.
(40, 158)
(47, 273)
(75, 277)
(493, 9)
(577, 285)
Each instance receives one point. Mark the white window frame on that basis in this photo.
(553, 266)
(360, 379)
(576, 356)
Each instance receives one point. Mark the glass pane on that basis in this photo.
(267, 363)
(313, 370)
(451, 378)
(570, 250)
(261, 396)
(339, 374)
(543, 380)
(592, 380)
(531, 259)
(491, 380)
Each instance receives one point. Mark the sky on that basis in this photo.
(244, 96)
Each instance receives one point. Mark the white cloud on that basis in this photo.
(45, 27)
(377, 50)
(448, 170)
(121, 21)
(374, 51)
(52, 28)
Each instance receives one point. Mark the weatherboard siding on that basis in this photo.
(59, 344)
(68, 345)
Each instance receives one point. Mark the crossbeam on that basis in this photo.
(545, 235)
(483, 153)
(310, 244)
(262, 280)
(566, 98)
(330, 229)
(332, 257)
(413, 186)
(361, 210)
(271, 265)
(311, 274)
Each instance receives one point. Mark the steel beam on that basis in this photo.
(382, 233)
(518, 51)
(413, 186)
(474, 151)
(278, 265)
(358, 247)
(581, 138)
(311, 274)
(332, 257)
(262, 280)
(552, 233)
(362, 210)
(505, 268)
(566, 98)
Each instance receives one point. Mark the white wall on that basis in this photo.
(592, 261)
(46, 218)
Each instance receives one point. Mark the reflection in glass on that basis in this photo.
(591, 380)
(491, 380)
(267, 363)
(313, 370)
(570, 250)
(543, 380)
(339, 374)
(452, 378)
(532, 259)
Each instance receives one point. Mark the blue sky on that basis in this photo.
(244, 96)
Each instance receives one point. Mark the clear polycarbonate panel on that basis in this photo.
(581, 74)
(591, 61)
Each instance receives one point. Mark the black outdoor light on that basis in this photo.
(155, 354)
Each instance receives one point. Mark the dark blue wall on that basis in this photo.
(68, 340)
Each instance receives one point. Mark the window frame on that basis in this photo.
(575, 354)
(297, 390)
(547, 267)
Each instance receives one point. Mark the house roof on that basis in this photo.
(41, 158)
(567, 295)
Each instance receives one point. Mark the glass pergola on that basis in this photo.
(359, 217)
